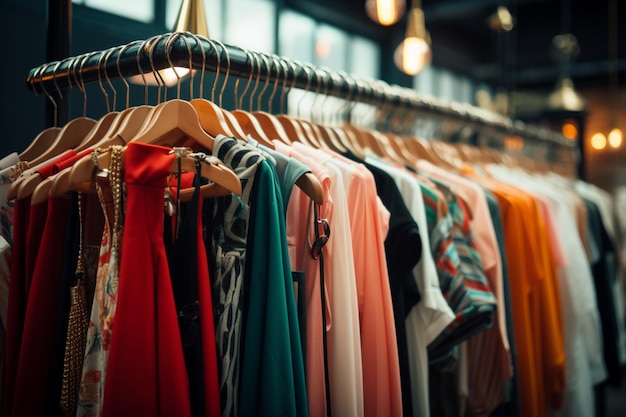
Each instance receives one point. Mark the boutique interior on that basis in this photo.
(313, 208)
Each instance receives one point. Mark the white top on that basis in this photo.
(432, 314)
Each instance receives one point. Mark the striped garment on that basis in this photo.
(229, 216)
(459, 267)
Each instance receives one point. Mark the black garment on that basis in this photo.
(603, 270)
(70, 256)
(182, 257)
(403, 248)
(511, 408)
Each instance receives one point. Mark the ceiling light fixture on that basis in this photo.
(385, 12)
(414, 53)
(191, 18)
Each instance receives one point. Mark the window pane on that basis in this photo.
(295, 36)
(424, 82)
(446, 85)
(212, 8)
(331, 47)
(250, 24)
(142, 10)
(364, 58)
(466, 90)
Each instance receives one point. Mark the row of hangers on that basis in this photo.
(196, 122)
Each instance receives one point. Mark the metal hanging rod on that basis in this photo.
(182, 49)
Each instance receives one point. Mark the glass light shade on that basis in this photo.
(565, 97)
(385, 12)
(168, 77)
(615, 138)
(191, 18)
(412, 55)
(598, 141)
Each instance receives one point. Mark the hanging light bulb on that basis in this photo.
(385, 12)
(414, 53)
(191, 18)
(615, 138)
(598, 141)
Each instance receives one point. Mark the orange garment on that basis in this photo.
(536, 304)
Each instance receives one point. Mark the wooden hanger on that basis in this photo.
(43, 140)
(99, 130)
(42, 190)
(70, 136)
(40, 144)
(400, 148)
(213, 119)
(264, 124)
(225, 181)
(176, 121)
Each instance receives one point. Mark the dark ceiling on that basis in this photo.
(521, 59)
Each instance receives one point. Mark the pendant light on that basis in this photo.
(385, 12)
(615, 137)
(414, 53)
(191, 18)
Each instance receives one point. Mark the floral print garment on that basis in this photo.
(90, 397)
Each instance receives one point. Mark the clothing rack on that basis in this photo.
(180, 49)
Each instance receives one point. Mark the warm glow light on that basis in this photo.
(615, 138)
(569, 130)
(168, 77)
(598, 141)
(323, 49)
(412, 55)
(385, 12)
(514, 143)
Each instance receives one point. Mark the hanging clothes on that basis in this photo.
(146, 370)
(186, 256)
(270, 326)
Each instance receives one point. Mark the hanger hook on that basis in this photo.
(266, 83)
(217, 68)
(99, 68)
(198, 39)
(318, 92)
(275, 60)
(226, 74)
(305, 68)
(237, 79)
(143, 48)
(108, 55)
(54, 103)
(290, 64)
(329, 91)
(256, 80)
(191, 71)
(153, 42)
(119, 69)
(354, 96)
(73, 72)
(284, 91)
(245, 90)
(168, 49)
(80, 79)
(140, 69)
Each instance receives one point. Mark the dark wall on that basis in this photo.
(24, 22)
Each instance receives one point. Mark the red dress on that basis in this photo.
(146, 373)
(17, 302)
(36, 370)
(28, 231)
